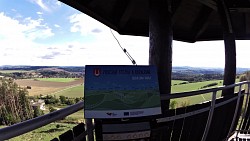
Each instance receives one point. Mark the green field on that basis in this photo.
(176, 88)
(45, 133)
(73, 92)
(196, 86)
(193, 87)
(77, 115)
(57, 79)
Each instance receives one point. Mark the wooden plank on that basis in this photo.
(105, 128)
(78, 130)
(67, 136)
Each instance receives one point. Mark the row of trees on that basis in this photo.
(60, 74)
(42, 73)
(196, 77)
(62, 100)
(14, 103)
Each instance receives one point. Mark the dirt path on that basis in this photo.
(65, 89)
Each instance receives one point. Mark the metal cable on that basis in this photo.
(124, 50)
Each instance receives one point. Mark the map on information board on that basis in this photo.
(114, 91)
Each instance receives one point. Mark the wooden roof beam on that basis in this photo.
(210, 3)
(125, 12)
(201, 23)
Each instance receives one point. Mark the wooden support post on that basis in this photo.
(230, 47)
(90, 127)
(160, 50)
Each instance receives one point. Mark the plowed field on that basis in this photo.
(46, 87)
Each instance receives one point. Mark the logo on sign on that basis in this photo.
(97, 72)
(126, 113)
(111, 114)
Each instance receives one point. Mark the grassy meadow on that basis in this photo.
(45, 133)
(193, 87)
(76, 91)
(57, 79)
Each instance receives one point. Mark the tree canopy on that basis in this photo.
(14, 103)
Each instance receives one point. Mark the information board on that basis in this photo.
(115, 91)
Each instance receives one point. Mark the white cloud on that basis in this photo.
(27, 29)
(34, 29)
(86, 25)
(39, 13)
(17, 44)
(47, 5)
(104, 49)
(41, 4)
(57, 26)
(58, 3)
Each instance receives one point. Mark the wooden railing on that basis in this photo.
(210, 110)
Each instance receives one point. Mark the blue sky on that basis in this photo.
(48, 32)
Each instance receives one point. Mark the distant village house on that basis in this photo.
(40, 104)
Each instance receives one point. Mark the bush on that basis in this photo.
(70, 102)
(38, 112)
(183, 83)
(63, 99)
(51, 100)
(173, 104)
(77, 99)
(209, 85)
(51, 109)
